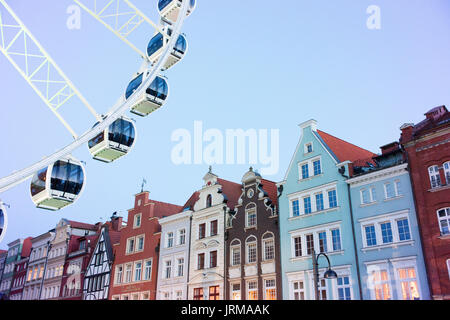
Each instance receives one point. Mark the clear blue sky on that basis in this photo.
(251, 64)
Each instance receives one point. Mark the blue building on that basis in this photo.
(387, 234)
(315, 215)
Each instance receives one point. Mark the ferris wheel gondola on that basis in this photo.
(150, 100)
(58, 185)
(170, 9)
(115, 142)
(156, 45)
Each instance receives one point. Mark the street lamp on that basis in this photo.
(329, 274)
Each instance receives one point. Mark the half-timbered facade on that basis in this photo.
(98, 272)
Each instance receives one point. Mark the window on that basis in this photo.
(128, 273)
(201, 231)
(167, 269)
(332, 198)
(389, 190)
(368, 195)
(137, 220)
(182, 237)
(235, 255)
(319, 202)
(386, 232)
(213, 259)
(381, 288)
(201, 261)
(295, 208)
(252, 290)
(214, 293)
(170, 240)
(198, 294)
(148, 270)
(336, 237)
(269, 249)
(444, 220)
(130, 245)
(322, 287)
(447, 172)
(81, 247)
(119, 272)
(307, 204)
(408, 283)
(435, 178)
(371, 238)
(180, 268)
(213, 227)
(236, 291)
(298, 289)
(251, 217)
(179, 295)
(305, 171)
(308, 148)
(209, 201)
(140, 243)
(309, 244)
(270, 289)
(138, 271)
(403, 230)
(317, 167)
(323, 241)
(298, 246)
(251, 250)
(344, 288)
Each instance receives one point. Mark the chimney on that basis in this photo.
(116, 222)
(407, 132)
(436, 113)
(391, 147)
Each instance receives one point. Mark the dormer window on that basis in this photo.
(82, 245)
(209, 201)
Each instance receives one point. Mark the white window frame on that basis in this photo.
(128, 245)
(265, 241)
(251, 209)
(181, 235)
(142, 236)
(233, 247)
(266, 288)
(249, 243)
(433, 172)
(446, 167)
(371, 285)
(447, 218)
(135, 218)
(170, 240)
(233, 291)
(145, 269)
(135, 271)
(247, 286)
(402, 263)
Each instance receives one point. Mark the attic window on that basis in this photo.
(308, 148)
(209, 201)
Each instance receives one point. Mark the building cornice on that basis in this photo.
(378, 175)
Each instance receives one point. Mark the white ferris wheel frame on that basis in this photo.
(118, 110)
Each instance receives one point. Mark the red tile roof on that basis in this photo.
(83, 226)
(163, 209)
(272, 190)
(232, 191)
(192, 200)
(344, 150)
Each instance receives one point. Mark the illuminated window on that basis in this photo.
(198, 294)
(408, 283)
(252, 290)
(214, 293)
(270, 289)
(380, 283)
(236, 291)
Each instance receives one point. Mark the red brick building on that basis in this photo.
(427, 145)
(134, 274)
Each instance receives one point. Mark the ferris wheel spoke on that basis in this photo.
(117, 111)
(36, 66)
(121, 17)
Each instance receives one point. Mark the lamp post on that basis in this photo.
(329, 274)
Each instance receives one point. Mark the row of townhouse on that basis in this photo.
(56, 264)
(381, 220)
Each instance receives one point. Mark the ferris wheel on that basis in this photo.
(59, 179)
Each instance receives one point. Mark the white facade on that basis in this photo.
(174, 257)
(206, 268)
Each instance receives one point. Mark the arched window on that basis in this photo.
(446, 167)
(209, 201)
(235, 249)
(444, 220)
(250, 215)
(268, 246)
(251, 246)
